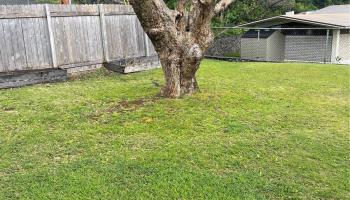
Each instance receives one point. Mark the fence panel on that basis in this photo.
(77, 37)
(37, 43)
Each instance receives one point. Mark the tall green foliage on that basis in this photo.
(249, 10)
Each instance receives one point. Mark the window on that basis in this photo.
(345, 31)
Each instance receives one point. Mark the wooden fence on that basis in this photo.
(68, 36)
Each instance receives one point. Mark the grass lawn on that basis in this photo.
(256, 131)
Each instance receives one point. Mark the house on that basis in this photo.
(316, 36)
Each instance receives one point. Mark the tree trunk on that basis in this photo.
(180, 37)
(178, 80)
(64, 1)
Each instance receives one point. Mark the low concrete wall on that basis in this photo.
(77, 71)
(224, 45)
(131, 65)
(31, 77)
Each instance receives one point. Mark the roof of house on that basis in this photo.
(332, 16)
(335, 9)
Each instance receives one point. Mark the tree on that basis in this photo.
(180, 37)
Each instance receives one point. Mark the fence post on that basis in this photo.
(51, 36)
(103, 33)
(326, 48)
(258, 46)
(146, 45)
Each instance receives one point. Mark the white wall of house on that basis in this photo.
(253, 48)
(344, 48)
(335, 45)
(275, 47)
(308, 48)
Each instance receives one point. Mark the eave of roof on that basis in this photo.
(336, 20)
(313, 19)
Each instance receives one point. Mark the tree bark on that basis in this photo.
(180, 75)
(180, 38)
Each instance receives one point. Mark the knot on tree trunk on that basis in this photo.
(195, 52)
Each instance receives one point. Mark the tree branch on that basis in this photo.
(180, 18)
(222, 5)
(158, 21)
(181, 5)
(201, 13)
(152, 13)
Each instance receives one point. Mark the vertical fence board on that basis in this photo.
(56, 34)
(133, 36)
(29, 40)
(21, 61)
(38, 41)
(85, 39)
(113, 39)
(50, 31)
(45, 43)
(71, 42)
(98, 56)
(124, 36)
(103, 33)
(8, 42)
(140, 38)
(3, 50)
(65, 39)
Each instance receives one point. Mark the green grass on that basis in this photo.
(255, 131)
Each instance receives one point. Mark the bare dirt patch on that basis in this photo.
(125, 106)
